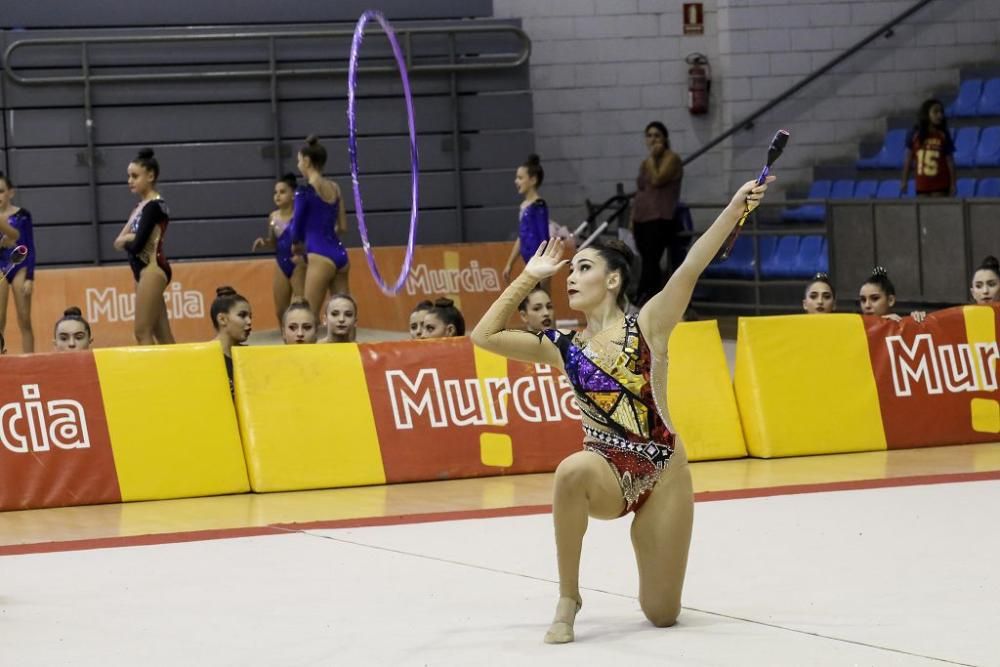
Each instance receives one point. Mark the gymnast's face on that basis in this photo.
(537, 315)
(435, 327)
(416, 323)
(523, 182)
(140, 179)
(299, 327)
(341, 317)
(72, 336)
(985, 286)
(819, 298)
(874, 301)
(237, 323)
(283, 195)
(589, 282)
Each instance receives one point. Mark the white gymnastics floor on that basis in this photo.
(891, 576)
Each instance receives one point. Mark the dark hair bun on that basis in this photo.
(312, 140)
(619, 246)
(73, 311)
(443, 302)
(145, 154)
(821, 277)
(225, 290)
(880, 272)
(992, 263)
(534, 159)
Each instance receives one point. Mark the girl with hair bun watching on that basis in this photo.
(318, 218)
(819, 296)
(290, 269)
(233, 322)
(444, 320)
(985, 287)
(72, 332)
(142, 238)
(631, 460)
(878, 296)
(18, 279)
(533, 228)
(417, 318)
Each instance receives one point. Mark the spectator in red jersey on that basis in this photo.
(929, 144)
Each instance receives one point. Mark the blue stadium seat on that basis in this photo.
(781, 263)
(766, 249)
(893, 150)
(807, 260)
(966, 141)
(810, 212)
(866, 189)
(824, 259)
(989, 101)
(888, 189)
(988, 151)
(911, 189)
(967, 102)
(965, 187)
(988, 187)
(739, 264)
(842, 189)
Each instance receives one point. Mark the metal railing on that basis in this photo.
(454, 64)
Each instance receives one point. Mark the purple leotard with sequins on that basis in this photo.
(315, 222)
(534, 228)
(283, 249)
(21, 221)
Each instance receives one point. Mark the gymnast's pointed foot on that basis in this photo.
(561, 630)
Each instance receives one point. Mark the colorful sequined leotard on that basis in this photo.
(633, 439)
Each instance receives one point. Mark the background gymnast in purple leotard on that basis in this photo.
(15, 230)
(533, 220)
(318, 218)
(289, 268)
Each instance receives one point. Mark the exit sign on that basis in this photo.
(694, 18)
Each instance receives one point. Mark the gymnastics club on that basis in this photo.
(17, 256)
(773, 153)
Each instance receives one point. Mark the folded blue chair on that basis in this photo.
(988, 151)
(965, 187)
(765, 250)
(988, 187)
(781, 263)
(866, 189)
(824, 259)
(807, 260)
(966, 142)
(967, 102)
(893, 150)
(888, 190)
(842, 189)
(738, 264)
(911, 190)
(810, 212)
(989, 101)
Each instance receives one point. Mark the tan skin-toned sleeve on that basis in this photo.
(492, 335)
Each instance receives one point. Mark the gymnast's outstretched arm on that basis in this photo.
(661, 313)
(491, 333)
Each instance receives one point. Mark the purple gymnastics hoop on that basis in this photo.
(352, 149)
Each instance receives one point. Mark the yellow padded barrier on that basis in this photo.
(305, 417)
(171, 421)
(700, 393)
(804, 385)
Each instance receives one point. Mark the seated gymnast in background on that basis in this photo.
(631, 460)
(233, 322)
(444, 320)
(72, 332)
(536, 311)
(985, 287)
(298, 324)
(318, 219)
(341, 319)
(417, 318)
(878, 296)
(819, 295)
(290, 269)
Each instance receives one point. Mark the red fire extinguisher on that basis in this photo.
(699, 83)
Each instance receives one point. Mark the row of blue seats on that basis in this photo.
(872, 189)
(976, 98)
(788, 257)
(973, 148)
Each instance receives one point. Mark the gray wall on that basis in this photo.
(601, 69)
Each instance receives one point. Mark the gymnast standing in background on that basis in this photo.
(16, 229)
(142, 238)
(318, 217)
(533, 220)
(290, 269)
